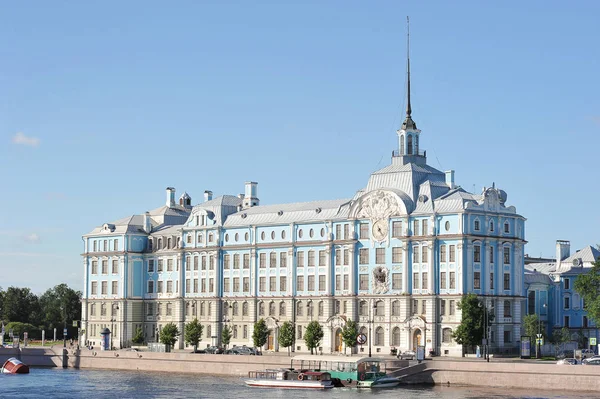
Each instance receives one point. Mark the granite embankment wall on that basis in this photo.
(503, 374)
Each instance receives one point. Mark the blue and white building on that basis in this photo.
(396, 256)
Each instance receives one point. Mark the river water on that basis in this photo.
(70, 383)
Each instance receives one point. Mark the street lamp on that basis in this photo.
(486, 353)
(371, 317)
(64, 309)
(538, 354)
(113, 319)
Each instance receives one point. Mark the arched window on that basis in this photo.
(261, 308)
(410, 145)
(309, 308)
(272, 309)
(396, 308)
(299, 309)
(159, 244)
(225, 308)
(402, 144)
(235, 309)
(245, 309)
(379, 308)
(208, 331)
(321, 308)
(282, 309)
(363, 330)
(507, 309)
(362, 308)
(200, 238)
(396, 336)
(235, 331)
(379, 339)
(447, 335)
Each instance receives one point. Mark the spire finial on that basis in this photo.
(408, 122)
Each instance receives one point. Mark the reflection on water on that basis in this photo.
(59, 383)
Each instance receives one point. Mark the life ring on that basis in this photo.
(300, 377)
(362, 376)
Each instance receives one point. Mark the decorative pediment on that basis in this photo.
(380, 282)
(381, 204)
(337, 321)
(271, 323)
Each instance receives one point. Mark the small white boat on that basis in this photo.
(381, 382)
(289, 379)
(14, 366)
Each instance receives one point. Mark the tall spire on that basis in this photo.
(408, 122)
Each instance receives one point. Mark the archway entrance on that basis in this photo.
(416, 341)
(338, 340)
(271, 341)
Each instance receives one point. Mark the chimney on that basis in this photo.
(170, 197)
(450, 179)
(251, 195)
(147, 224)
(563, 251)
(207, 195)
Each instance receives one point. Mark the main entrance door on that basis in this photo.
(416, 339)
(271, 341)
(338, 340)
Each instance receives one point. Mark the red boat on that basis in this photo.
(14, 366)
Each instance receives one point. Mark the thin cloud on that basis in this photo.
(33, 237)
(20, 138)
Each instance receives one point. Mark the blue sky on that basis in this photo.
(104, 104)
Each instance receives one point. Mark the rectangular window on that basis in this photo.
(321, 282)
(188, 285)
(105, 245)
(491, 280)
(322, 258)
(94, 288)
(300, 256)
(452, 307)
(245, 336)
(452, 280)
(203, 285)
(115, 266)
(236, 284)
(346, 231)
(272, 283)
(397, 229)
(159, 287)
(169, 287)
(95, 246)
(567, 302)
(380, 256)
(346, 257)
(442, 253)
(506, 228)
(149, 309)
(396, 254)
(273, 259)
(364, 282)
(363, 256)
(104, 288)
(300, 283)
(346, 283)
(452, 253)
(338, 257)
(169, 265)
(283, 284)
(338, 282)
(443, 280)
(160, 266)
(195, 285)
(506, 255)
(226, 284)
(150, 287)
(416, 281)
(195, 263)
(424, 226)
(115, 288)
(415, 228)
(476, 225)
(424, 281)
(477, 253)
(188, 265)
(311, 258)
(246, 283)
(226, 261)
(262, 285)
(396, 281)
(169, 309)
(507, 281)
(262, 260)
(364, 231)
(246, 261)
(283, 259)
(567, 320)
(567, 284)
(211, 262)
(415, 306)
(507, 338)
(477, 280)
(491, 255)
(443, 307)
(95, 267)
(423, 307)
(424, 254)
(203, 262)
(299, 332)
(104, 267)
(338, 232)
(311, 283)
(415, 254)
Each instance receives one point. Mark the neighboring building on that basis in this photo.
(397, 257)
(551, 295)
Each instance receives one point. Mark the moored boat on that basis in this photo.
(289, 379)
(14, 366)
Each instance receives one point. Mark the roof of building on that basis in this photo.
(587, 254)
(533, 277)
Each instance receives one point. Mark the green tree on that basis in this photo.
(169, 334)
(60, 306)
(260, 333)
(313, 335)
(193, 333)
(20, 304)
(561, 336)
(138, 338)
(532, 326)
(349, 334)
(287, 335)
(588, 286)
(470, 331)
(226, 335)
(19, 328)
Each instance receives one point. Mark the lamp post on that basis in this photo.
(485, 330)
(64, 309)
(371, 316)
(538, 354)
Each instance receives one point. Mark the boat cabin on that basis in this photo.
(345, 368)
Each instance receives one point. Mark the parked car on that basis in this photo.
(407, 355)
(591, 362)
(587, 353)
(565, 354)
(568, 361)
(214, 350)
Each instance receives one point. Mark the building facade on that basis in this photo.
(397, 256)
